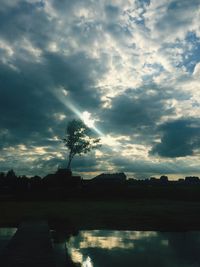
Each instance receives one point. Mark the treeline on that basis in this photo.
(63, 185)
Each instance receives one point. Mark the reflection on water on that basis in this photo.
(7, 232)
(134, 248)
(5, 235)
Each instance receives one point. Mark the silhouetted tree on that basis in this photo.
(79, 140)
(11, 174)
(163, 179)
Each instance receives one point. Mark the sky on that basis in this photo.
(130, 68)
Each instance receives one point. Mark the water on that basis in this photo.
(135, 248)
(5, 236)
(124, 248)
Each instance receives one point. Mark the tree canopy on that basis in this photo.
(79, 139)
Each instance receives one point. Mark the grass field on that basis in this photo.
(135, 215)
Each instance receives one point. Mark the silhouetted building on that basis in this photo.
(62, 178)
(63, 173)
(113, 178)
(153, 180)
(181, 181)
(192, 180)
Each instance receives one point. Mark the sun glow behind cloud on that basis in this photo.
(62, 95)
(86, 117)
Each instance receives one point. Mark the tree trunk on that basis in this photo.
(69, 162)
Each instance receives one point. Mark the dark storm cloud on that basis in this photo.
(78, 46)
(77, 73)
(137, 110)
(179, 138)
(28, 102)
(25, 20)
(30, 78)
(23, 108)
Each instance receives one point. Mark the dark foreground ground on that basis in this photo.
(166, 215)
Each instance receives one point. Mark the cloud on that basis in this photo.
(133, 65)
(137, 109)
(182, 17)
(179, 138)
(196, 71)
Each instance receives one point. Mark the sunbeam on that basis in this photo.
(85, 116)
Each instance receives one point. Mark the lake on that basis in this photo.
(103, 248)
(5, 236)
(135, 248)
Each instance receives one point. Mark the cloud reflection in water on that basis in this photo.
(102, 248)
